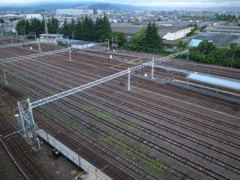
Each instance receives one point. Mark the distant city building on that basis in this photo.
(50, 38)
(95, 11)
(31, 16)
(75, 12)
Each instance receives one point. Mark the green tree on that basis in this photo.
(102, 29)
(27, 27)
(72, 29)
(121, 37)
(1, 20)
(53, 25)
(78, 30)
(206, 47)
(151, 42)
(20, 27)
(136, 43)
(64, 30)
(36, 26)
(87, 29)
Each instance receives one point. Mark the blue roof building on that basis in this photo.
(196, 42)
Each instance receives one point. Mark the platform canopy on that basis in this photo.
(216, 80)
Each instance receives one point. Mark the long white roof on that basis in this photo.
(216, 80)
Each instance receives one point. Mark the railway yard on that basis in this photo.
(157, 130)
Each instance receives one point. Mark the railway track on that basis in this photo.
(211, 103)
(57, 107)
(64, 82)
(208, 119)
(112, 169)
(19, 151)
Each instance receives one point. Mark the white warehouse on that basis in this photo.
(177, 34)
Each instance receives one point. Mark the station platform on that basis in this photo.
(91, 171)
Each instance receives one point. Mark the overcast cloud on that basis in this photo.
(163, 3)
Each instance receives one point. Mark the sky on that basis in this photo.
(160, 3)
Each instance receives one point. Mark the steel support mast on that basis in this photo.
(18, 44)
(32, 56)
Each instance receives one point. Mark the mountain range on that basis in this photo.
(35, 7)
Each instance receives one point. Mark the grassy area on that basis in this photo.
(154, 166)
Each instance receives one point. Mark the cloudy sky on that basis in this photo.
(164, 3)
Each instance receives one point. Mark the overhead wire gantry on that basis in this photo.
(26, 118)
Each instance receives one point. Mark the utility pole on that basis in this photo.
(39, 46)
(69, 50)
(11, 38)
(73, 35)
(70, 55)
(45, 24)
(108, 45)
(5, 77)
(152, 72)
(232, 61)
(129, 79)
(35, 36)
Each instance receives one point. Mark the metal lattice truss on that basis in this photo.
(77, 89)
(32, 56)
(27, 122)
(18, 44)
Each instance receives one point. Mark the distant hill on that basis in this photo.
(51, 6)
(66, 5)
(113, 7)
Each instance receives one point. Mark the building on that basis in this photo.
(170, 45)
(31, 16)
(237, 41)
(235, 30)
(166, 32)
(50, 38)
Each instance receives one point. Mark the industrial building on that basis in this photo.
(168, 32)
(235, 30)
